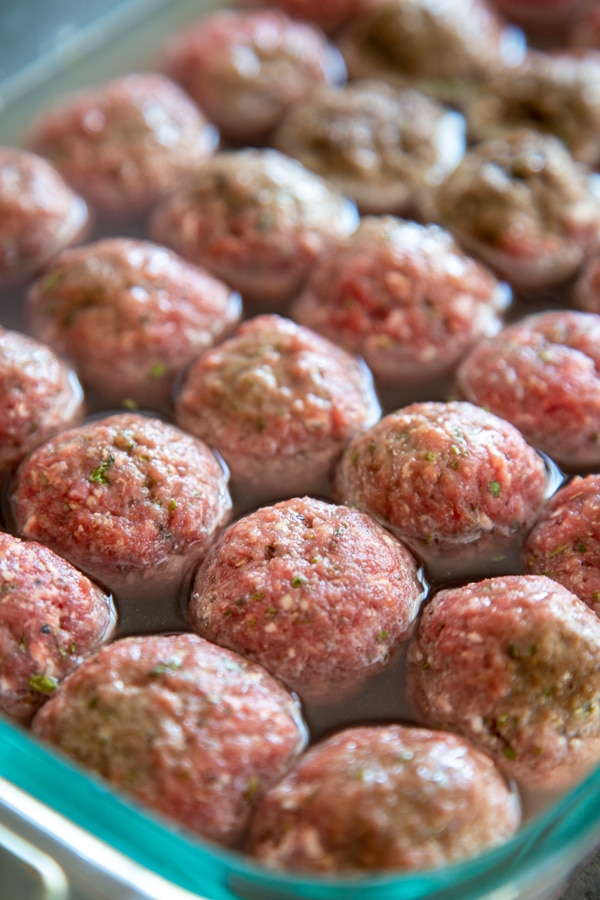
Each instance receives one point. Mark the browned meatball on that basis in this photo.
(524, 206)
(39, 214)
(513, 664)
(247, 68)
(279, 402)
(407, 299)
(443, 47)
(319, 594)
(191, 730)
(542, 374)
(51, 617)
(130, 315)
(384, 798)
(123, 143)
(40, 395)
(556, 94)
(564, 543)
(257, 219)
(379, 145)
(131, 500)
(455, 481)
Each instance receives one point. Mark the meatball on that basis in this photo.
(131, 500)
(554, 94)
(130, 315)
(189, 729)
(406, 298)
(124, 143)
(524, 206)
(279, 402)
(40, 395)
(39, 214)
(564, 543)
(51, 617)
(456, 482)
(387, 797)
(443, 47)
(247, 68)
(513, 664)
(541, 373)
(319, 594)
(257, 219)
(381, 146)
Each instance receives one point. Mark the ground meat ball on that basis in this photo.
(524, 206)
(384, 798)
(51, 617)
(443, 47)
(124, 143)
(513, 664)
(257, 219)
(554, 94)
(40, 395)
(279, 402)
(564, 543)
(189, 729)
(542, 374)
(319, 594)
(246, 69)
(451, 479)
(406, 298)
(328, 15)
(39, 214)
(381, 146)
(130, 315)
(131, 500)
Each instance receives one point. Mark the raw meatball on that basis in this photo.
(379, 145)
(246, 69)
(129, 499)
(554, 94)
(381, 798)
(541, 373)
(40, 395)
(513, 664)
(564, 543)
(319, 594)
(328, 15)
(279, 402)
(125, 143)
(51, 617)
(406, 298)
(443, 47)
(39, 214)
(453, 480)
(130, 315)
(257, 219)
(524, 206)
(189, 729)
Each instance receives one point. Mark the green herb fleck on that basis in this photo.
(297, 581)
(98, 475)
(172, 505)
(158, 370)
(495, 488)
(162, 668)
(45, 684)
(382, 635)
(510, 753)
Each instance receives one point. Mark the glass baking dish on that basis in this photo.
(66, 835)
